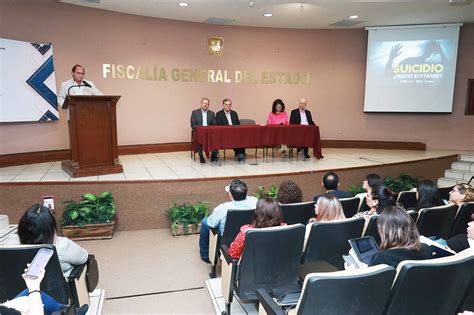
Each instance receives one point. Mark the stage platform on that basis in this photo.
(179, 165)
(151, 182)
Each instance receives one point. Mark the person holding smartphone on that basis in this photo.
(31, 300)
(38, 226)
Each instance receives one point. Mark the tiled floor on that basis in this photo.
(179, 165)
(151, 272)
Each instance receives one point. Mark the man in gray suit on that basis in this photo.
(203, 117)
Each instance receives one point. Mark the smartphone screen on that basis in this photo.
(48, 202)
(39, 262)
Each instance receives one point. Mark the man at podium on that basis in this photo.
(77, 85)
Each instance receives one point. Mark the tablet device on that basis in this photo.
(365, 248)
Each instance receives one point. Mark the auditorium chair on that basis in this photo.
(436, 221)
(359, 291)
(433, 286)
(327, 242)
(270, 258)
(444, 192)
(350, 206)
(413, 215)
(298, 212)
(407, 199)
(72, 290)
(234, 221)
(462, 218)
(371, 229)
(247, 121)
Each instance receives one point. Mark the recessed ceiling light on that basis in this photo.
(267, 14)
(183, 4)
(353, 17)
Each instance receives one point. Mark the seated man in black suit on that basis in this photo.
(302, 116)
(228, 117)
(331, 183)
(203, 117)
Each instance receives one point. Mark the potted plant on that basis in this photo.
(354, 190)
(91, 218)
(186, 218)
(262, 193)
(403, 183)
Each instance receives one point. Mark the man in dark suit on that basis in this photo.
(302, 116)
(203, 117)
(228, 117)
(331, 183)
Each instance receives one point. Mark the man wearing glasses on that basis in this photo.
(77, 85)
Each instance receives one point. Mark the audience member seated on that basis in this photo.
(327, 208)
(461, 242)
(461, 193)
(289, 192)
(38, 226)
(378, 197)
(267, 214)
(331, 185)
(278, 116)
(400, 239)
(237, 191)
(31, 303)
(371, 180)
(427, 195)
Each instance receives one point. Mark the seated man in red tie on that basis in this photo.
(302, 116)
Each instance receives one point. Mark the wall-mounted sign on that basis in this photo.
(156, 73)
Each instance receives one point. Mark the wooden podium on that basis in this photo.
(92, 136)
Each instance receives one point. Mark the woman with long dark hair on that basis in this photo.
(38, 226)
(378, 197)
(267, 214)
(427, 195)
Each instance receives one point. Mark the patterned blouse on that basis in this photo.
(237, 246)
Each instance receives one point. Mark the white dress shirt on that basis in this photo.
(229, 119)
(204, 117)
(82, 90)
(304, 119)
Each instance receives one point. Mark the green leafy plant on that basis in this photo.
(91, 209)
(186, 214)
(402, 183)
(262, 193)
(354, 190)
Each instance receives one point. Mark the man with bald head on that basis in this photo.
(302, 116)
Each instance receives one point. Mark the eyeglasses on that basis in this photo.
(80, 73)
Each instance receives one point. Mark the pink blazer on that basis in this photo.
(276, 119)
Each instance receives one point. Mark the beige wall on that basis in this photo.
(158, 112)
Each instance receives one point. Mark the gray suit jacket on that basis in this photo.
(196, 118)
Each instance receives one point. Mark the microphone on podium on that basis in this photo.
(86, 84)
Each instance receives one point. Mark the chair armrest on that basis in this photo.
(214, 231)
(268, 304)
(227, 257)
(76, 272)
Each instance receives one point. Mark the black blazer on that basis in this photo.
(196, 118)
(458, 243)
(221, 119)
(295, 118)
